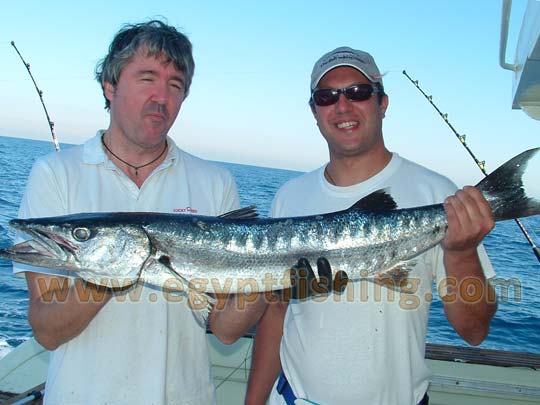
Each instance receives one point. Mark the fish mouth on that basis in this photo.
(44, 246)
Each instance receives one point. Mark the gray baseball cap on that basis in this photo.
(345, 56)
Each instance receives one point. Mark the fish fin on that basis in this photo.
(241, 213)
(504, 191)
(200, 302)
(396, 275)
(379, 200)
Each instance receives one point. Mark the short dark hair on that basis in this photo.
(158, 39)
(380, 93)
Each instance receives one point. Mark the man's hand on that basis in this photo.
(469, 220)
(304, 284)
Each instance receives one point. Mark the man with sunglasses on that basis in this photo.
(367, 345)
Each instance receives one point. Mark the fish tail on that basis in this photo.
(504, 191)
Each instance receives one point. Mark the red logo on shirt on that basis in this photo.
(188, 210)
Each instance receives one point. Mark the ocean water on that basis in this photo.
(516, 326)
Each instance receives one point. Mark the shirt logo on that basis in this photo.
(188, 210)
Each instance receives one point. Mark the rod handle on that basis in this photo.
(536, 252)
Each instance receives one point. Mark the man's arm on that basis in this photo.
(58, 311)
(233, 315)
(265, 360)
(469, 311)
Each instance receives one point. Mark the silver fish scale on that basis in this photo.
(244, 252)
(235, 251)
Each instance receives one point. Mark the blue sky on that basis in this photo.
(248, 102)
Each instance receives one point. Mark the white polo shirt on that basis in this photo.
(143, 348)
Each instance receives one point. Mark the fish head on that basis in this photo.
(96, 246)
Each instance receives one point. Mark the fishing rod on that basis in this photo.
(40, 93)
(481, 164)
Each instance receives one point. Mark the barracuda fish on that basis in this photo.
(370, 240)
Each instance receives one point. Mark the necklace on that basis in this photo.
(328, 177)
(129, 164)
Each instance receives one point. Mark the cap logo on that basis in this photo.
(348, 55)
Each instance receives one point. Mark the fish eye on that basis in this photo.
(81, 234)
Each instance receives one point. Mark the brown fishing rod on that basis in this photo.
(481, 164)
(40, 93)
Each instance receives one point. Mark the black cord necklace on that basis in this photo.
(328, 177)
(129, 164)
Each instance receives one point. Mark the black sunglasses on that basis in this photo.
(355, 92)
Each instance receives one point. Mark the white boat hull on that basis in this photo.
(454, 382)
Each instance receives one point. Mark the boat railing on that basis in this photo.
(505, 21)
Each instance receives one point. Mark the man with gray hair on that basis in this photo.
(136, 344)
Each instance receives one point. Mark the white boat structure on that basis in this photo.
(461, 375)
(526, 65)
